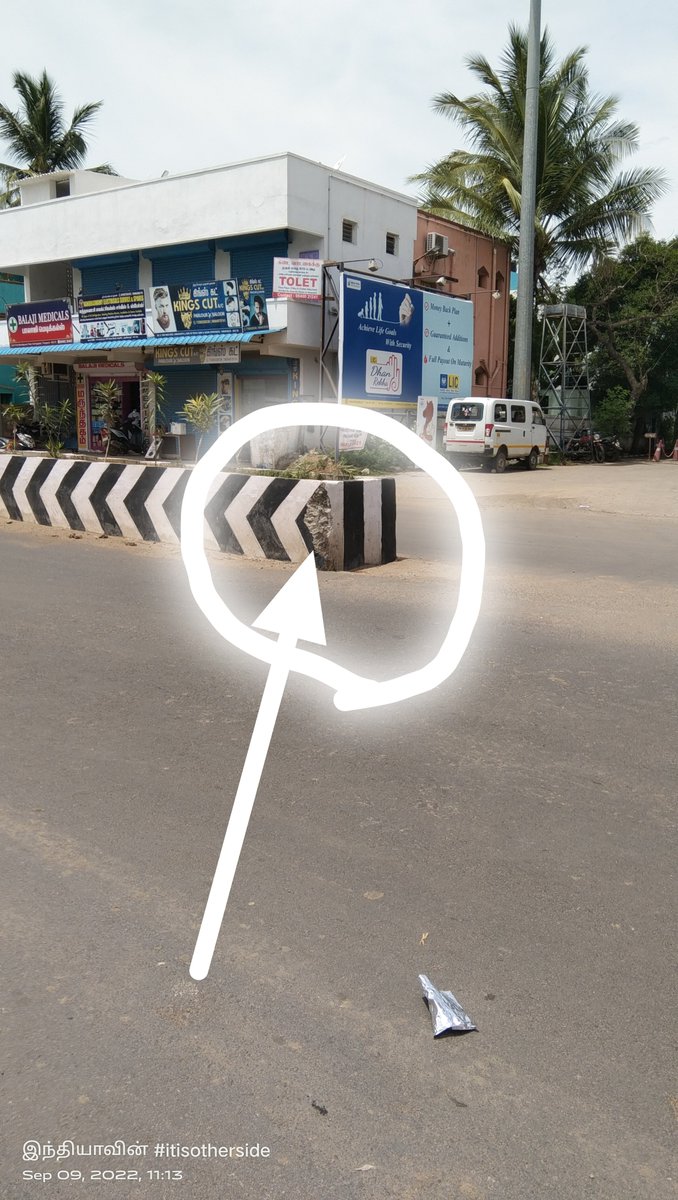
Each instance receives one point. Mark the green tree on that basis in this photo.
(37, 136)
(584, 204)
(106, 407)
(632, 306)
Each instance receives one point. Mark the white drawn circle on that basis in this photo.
(353, 691)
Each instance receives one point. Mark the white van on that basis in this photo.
(480, 430)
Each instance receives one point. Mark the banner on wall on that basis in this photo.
(46, 321)
(119, 315)
(218, 305)
(196, 356)
(297, 279)
(399, 343)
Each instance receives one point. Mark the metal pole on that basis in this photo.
(522, 360)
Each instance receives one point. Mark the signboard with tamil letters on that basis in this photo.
(46, 321)
(297, 279)
(118, 315)
(196, 356)
(218, 305)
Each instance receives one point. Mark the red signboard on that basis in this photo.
(34, 324)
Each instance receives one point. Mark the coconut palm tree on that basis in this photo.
(38, 139)
(584, 204)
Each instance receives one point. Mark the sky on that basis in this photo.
(190, 86)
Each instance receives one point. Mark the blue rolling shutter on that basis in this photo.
(111, 278)
(182, 382)
(256, 262)
(184, 268)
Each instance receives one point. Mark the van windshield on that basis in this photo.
(467, 412)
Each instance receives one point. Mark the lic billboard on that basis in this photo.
(397, 343)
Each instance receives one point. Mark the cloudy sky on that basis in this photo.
(194, 85)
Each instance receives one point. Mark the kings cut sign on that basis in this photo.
(46, 321)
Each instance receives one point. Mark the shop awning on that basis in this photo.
(148, 343)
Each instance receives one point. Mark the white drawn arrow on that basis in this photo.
(294, 614)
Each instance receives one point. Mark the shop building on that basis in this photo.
(460, 262)
(85, 239)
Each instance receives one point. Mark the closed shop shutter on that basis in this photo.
(182, 382)
(184, 268)
(257, 263)
(114, 277)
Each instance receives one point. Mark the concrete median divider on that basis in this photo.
(347, 523)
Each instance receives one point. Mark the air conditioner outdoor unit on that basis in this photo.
(54, 370)
(437, 243)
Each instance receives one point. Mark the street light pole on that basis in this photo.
(522, 358)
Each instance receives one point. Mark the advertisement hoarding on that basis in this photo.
(46, 321)
(221, 305)
(398, 343)
(119, 315)
(297, 279)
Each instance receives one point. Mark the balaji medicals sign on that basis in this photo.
(48, 321)
(398, 343)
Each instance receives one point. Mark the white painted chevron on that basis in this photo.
(5, 460)
(167, 481)
(81, 493)
(372, 490)
(116, 500)
(210, 540)
(238, 510)
(284, 519)
(49, 490)
(21, 483)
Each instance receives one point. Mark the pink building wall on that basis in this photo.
(475, 269)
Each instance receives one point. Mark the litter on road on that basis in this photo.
(447, 1015)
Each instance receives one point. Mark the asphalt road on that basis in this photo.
(512, 835)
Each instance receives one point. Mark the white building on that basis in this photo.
(82, 234)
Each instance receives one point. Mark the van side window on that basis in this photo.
(518, 413)
(537, 417)
(500, 412)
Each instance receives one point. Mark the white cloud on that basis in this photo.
(192, 86)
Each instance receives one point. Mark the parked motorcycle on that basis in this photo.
(586, 444)
(128, 437)
(611, 446)
(27, 436)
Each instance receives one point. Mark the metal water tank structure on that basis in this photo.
(564, 388)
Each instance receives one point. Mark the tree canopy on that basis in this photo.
(584, 204)
(632, 305)
(37, 136)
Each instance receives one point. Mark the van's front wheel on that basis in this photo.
(500, 461)
(532, 459)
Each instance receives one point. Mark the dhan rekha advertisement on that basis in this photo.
(398, 343)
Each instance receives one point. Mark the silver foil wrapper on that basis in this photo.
(447, 1015)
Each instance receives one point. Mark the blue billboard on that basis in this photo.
(398, 343)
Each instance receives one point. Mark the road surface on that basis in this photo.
(511, 835)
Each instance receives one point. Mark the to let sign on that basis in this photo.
(297, 279)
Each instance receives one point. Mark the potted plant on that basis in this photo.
(202, 411)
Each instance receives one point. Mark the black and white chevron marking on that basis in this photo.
(346, 524)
